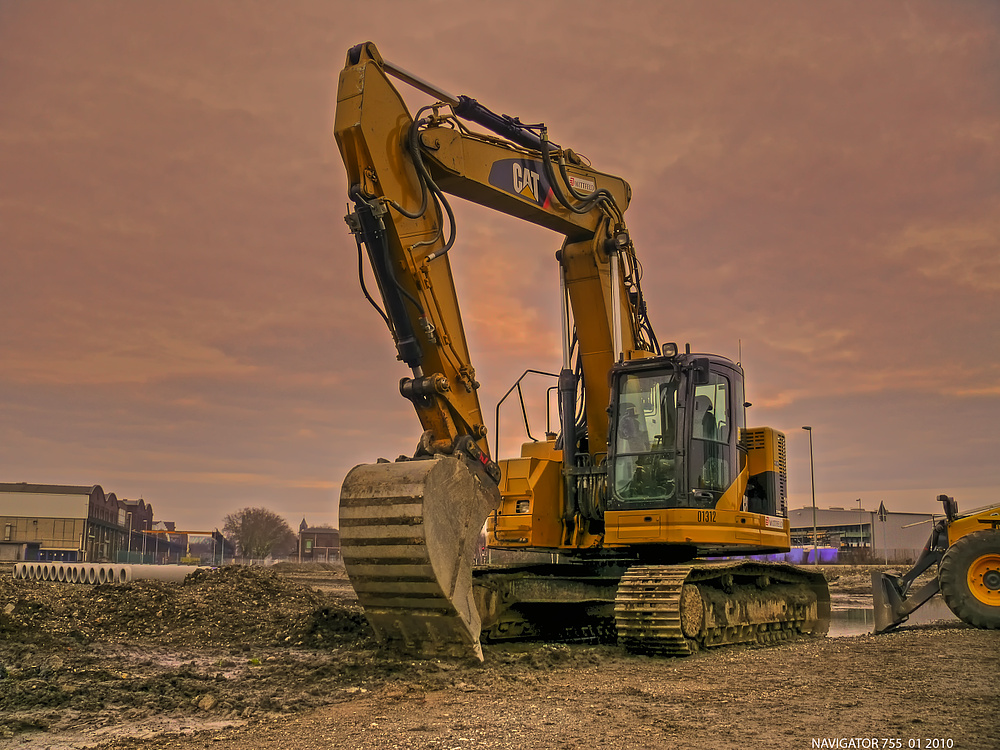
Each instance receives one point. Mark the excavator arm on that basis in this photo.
(394, 217)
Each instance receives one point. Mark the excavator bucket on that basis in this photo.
(409, 532)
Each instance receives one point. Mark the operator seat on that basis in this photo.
(704, 419)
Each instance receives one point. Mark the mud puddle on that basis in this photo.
(853, 614)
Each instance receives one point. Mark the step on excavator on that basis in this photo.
(643, 511)
(966, 551)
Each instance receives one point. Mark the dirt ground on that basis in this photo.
(283, 658)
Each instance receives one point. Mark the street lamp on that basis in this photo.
(861, 528)
(812, 484)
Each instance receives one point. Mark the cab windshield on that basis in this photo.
(645, 432)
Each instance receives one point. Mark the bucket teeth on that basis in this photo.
(409, 532)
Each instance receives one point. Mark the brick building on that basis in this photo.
(318, 543)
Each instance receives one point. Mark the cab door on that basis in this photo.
(713, 425)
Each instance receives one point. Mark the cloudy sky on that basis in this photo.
(815, 183)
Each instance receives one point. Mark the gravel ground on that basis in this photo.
(282, 658)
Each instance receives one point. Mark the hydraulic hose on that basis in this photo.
(373, 232)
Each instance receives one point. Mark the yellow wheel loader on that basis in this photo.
(653, 468)
(966, 551)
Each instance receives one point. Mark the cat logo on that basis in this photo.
(522, 177)
(525, 181)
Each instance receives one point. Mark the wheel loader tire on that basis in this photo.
(969, 577)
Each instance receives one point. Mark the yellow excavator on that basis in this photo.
(652, 470)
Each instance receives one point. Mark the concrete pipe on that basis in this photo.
(122, 574)
(60, 573)
(91, 571)
(73, 574)
(46, 571)
(33, 572)
(19, 571)
(36, 572)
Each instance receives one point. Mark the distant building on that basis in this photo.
(58, 522)
(318, 543)
(138, 514)
(77, 524)
(898, 538)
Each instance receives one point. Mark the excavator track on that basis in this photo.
(409, 532)
(677, 610)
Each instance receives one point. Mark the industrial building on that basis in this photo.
(861, 534)
(57, 522)
(79, 524)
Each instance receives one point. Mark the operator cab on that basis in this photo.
(675, 430)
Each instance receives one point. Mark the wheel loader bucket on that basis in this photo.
(886, 599)
(892, 604)
(409, 532)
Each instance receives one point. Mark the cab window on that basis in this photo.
(644, 435)
(711, 430)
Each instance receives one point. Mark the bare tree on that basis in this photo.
(258, 532)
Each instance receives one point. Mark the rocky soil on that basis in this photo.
(283, 658)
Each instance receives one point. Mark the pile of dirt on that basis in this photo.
(224, 645)
(233, 605)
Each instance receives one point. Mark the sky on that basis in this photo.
(816, 192)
